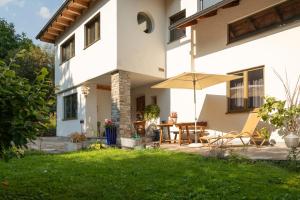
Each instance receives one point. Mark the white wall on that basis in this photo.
(67, 127)
(178, 52)
(103, 106)
(163, 99)
(278, 49)
(97, 59)
(140, 52)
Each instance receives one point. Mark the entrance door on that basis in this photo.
(103, 107)
(140, 107)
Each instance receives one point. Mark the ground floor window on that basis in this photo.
(70, 107)
(247, 92)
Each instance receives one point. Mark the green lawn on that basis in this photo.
(118, 174)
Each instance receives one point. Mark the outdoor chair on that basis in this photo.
(247, 132)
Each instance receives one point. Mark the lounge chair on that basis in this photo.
(247, 132)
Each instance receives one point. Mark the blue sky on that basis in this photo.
(28, 16)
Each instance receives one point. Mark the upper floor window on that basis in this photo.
(176, 34)
(203, 4)
(276, 16)
(70, 107)
(68, 49)
(145, 22)
(92, 31)
(247, 92)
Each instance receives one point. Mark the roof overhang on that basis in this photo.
(65, 16)
(209, 12)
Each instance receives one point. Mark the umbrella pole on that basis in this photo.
(195, 110)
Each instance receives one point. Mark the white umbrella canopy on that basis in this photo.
(202, 80)
(195, 81)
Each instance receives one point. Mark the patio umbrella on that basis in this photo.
(195, 81)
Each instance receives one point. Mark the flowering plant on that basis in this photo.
(173, 114)
(108, 123)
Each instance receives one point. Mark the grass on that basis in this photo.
(151, 174)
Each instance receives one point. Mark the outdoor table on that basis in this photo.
(201, 126)
(161, 128)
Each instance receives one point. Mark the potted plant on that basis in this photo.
(173, 117)
(77, 141)
(110, 132)
(151, 114)
(284, 114)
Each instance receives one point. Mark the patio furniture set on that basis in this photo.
(248, 132)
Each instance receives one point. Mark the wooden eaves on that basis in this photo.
(66, 15)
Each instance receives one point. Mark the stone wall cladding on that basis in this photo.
(121, 105)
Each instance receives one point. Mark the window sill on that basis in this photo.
(63, 62)
(170, 42)
(87, 46)
(69, 119)
(240, 111)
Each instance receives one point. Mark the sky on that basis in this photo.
(28, 16)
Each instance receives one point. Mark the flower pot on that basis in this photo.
(111, 135)
(292, 140)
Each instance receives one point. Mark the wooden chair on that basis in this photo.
(139, 126)
(247, 132)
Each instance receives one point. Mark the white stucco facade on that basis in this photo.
(150, 58)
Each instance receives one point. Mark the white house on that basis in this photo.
(110, 52)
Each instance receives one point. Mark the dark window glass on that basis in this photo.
(176, 34)
(145, 23)
(70, 107)
(237, 94)
(255, 88)
(276, 16)
(92, 31)
(68, 49)
(208, 3)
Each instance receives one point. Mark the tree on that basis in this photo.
(10, 41)
(25, 57)
(24, 107)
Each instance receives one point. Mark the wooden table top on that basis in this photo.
(165, 125)
(204, 124)
(191, 124)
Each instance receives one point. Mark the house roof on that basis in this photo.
(209, 12)
(64, 17)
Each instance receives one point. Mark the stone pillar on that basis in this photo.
(120, 94)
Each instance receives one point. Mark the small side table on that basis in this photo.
(161, 137)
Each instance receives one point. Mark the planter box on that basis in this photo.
(70, 146)
(130, 143)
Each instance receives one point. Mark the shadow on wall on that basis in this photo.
(214, 111)
(65, 81)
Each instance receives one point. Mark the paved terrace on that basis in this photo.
(277, 152)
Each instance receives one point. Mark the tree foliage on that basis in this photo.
(26, 88)
(24, 107)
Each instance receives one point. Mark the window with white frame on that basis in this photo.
(70, 107)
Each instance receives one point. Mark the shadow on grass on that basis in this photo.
(119, 174)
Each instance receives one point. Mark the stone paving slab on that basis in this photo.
(277, 152)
